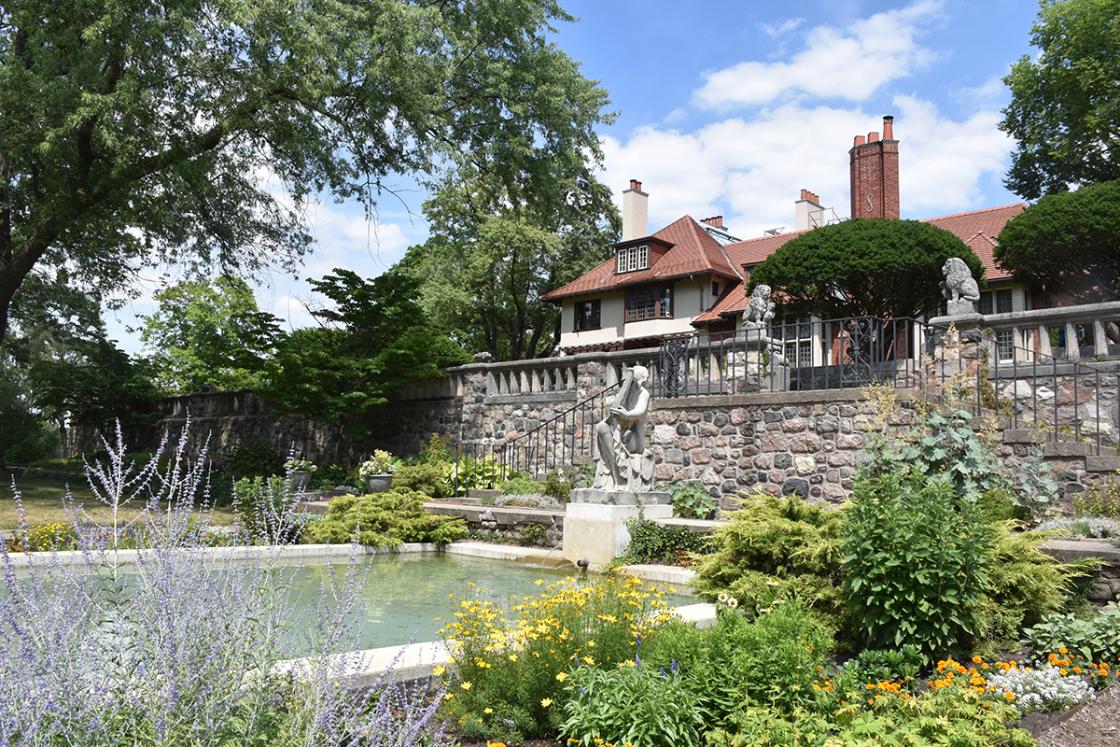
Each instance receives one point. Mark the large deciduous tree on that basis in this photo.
(495, 250)
(208, 335)
(878, 267)
(1069, 241)
(136, 131)
(1065, 103)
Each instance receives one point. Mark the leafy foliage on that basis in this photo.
(384, 520)
(208, 335)
(638, 705)
(1095, 638)
(915, 559)
(1067, 240)
(497, 248)
(1023, 585)
(380, 341)
(429, 478)
(692, 501)
(137, 133)
(887, 268)
(651, 542)
(1062, 112)
(775, 548)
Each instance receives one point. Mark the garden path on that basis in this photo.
(1091, 725)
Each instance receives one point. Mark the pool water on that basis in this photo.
(405, 597)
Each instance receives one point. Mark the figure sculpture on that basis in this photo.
(760, 309)
(622, 462)
(959, 287)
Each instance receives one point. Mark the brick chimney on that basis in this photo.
(807, 211)
(874, 174)
(635, 212)
(716, 221)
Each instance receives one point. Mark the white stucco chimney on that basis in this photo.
(635, 212)
(808, 212)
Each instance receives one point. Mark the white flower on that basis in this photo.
(1042, 689)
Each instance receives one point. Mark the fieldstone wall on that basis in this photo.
(793, 443)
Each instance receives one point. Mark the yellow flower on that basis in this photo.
(465, 685)
(539, 582)
(449, 696)
(513, 657)
(488, 710)
(589, 661)
(1009, 697)
(561, 676)
(438, 671)
(546, 702)
(495, 744)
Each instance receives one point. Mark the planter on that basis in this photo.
(299, 479)
(379, 483)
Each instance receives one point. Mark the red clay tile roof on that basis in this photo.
(977, 228)
(694, 251)
(733, 301)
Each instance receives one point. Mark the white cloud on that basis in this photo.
(850, 63)
(774, 30)
(752, 170)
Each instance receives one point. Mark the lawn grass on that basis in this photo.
(42, 500)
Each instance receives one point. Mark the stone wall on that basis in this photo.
(791, 443)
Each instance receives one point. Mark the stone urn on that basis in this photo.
(379, 483)
(299, 479)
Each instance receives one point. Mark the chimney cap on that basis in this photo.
(858, 140)
(715, 221)
(635, 185)
(872, 136)
(888, 127)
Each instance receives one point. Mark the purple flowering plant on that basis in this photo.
(179, 643)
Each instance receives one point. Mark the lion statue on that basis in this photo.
(958, 283)
(760, 310)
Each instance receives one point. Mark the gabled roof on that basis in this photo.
(693, 252)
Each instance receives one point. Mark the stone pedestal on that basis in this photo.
(595, 522)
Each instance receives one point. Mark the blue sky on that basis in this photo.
(732, 107)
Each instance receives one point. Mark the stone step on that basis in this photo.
(1102, 463)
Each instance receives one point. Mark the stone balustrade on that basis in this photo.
(1085, 331)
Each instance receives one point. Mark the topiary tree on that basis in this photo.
(1066, 240)
(878, 267)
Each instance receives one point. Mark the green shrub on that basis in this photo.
(651, 542)
(914, 562)
(902, 664)
(253, 459)
(951, 716)
(384, 520)
(1023, 585)
(522, 485)
(1095, 638)
(472, 473)
(429, 478)
(639, 705)
(1098, 502)
(558, 487)
(327, 478)
(775, 548)
(692, 501)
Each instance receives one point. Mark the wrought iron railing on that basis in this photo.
(793, 354)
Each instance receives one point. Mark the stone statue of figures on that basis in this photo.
(622, 462)
(760, 310)
(959, 287)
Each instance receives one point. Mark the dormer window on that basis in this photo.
(633, 258)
